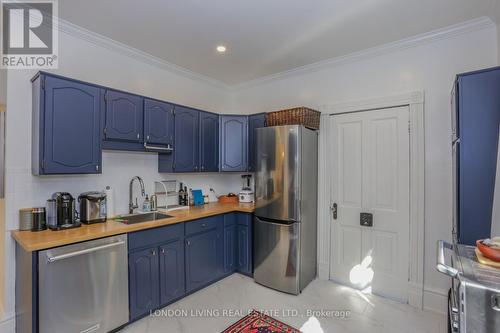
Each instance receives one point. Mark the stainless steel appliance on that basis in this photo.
(92, 207)
(84, 287)
(474, 298)
(286, 215)
(61, 212)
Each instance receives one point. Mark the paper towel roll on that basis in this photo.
(110, 202)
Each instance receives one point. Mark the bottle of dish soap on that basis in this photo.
(146, 205)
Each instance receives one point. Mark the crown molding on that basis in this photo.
(428, 37)
(113, 45)
(417, 40)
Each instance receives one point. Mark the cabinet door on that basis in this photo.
(186, 152)
(71, 127)
(202, 259)
(124, 117)
(171, 271)
(244, 247)
(234, 140)
(209, 142)
(158, 123)
(229, 249)
(254, 121)
(143, 282)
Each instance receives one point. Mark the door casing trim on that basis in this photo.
(415, 102)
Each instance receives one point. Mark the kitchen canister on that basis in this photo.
(39, 219)
(25, 219)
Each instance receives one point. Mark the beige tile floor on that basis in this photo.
(218, 306)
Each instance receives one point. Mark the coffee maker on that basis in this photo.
(61, 212)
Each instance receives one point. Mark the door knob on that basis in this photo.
(334, 210)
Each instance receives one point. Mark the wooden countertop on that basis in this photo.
(41, 240)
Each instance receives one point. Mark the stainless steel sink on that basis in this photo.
(141, 217)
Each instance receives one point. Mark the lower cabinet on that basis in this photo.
(171, 258)
(238, 243)
(229, 248)
(204, 258)
(167, 262)
(143, 282)
(244, 244)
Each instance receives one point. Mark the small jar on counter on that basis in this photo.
(38, 217)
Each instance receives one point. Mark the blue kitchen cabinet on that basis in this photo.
(476, 120)
(209, 142)
(158, 124)
(66, 124)
(254, 121)
(233, 143)
(144, 284)
(204, 253)
(123, 117)
(186, 153)
(171, 256)
(230, 247)
(244, 244)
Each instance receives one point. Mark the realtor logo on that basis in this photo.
(29, 35)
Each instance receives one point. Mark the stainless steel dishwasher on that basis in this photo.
(83, 287)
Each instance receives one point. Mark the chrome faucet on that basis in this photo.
(131, 205)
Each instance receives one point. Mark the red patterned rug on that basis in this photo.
(256, 322)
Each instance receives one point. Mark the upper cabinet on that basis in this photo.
(233, 143)
(66, 126)
(209, 142)
(74, 121)
(186, 152)
(254, 121)
(158, 124)
(123, 116)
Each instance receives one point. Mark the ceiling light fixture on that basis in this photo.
(221, 48)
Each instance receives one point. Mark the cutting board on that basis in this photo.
(485, 261)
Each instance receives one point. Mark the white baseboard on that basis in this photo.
(8, 325)
(323, 271)
(436, 300)
(415, 295)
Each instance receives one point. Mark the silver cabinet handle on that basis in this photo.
(138, 135)
(188, 243)
(169, 149)
(147, 138)
(441, 264)
(153, 252)
(162, 251)
(85, 251)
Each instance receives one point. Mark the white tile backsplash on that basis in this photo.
(118, 168)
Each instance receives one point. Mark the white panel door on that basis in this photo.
(370, 174)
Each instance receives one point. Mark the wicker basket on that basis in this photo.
(296, 116)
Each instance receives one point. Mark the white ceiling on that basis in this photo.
(263, 37)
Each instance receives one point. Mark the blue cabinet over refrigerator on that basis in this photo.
(475, 127)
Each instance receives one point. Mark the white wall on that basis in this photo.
(430, 67)
(85, 61)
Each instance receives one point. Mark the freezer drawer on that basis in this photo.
(84, 287)
(276, 255)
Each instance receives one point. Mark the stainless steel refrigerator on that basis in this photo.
(285, 224)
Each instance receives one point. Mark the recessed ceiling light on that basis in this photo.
(221, 48)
